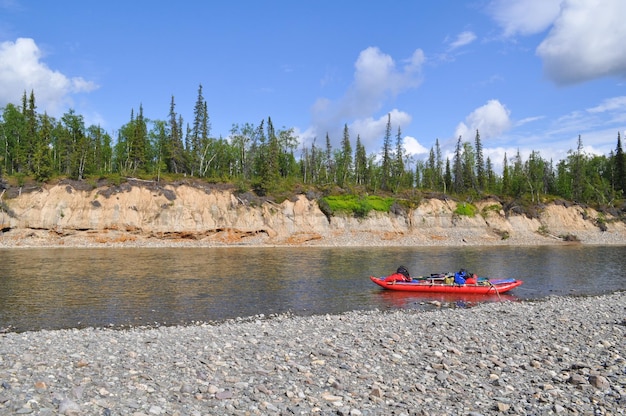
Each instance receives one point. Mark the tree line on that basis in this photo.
(265, 158)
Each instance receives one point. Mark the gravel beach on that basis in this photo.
(563, 355)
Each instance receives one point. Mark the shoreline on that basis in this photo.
(31, 238)
(561, 355)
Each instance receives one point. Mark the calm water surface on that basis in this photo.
(74, 288)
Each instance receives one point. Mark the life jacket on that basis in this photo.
(404, 271)
(397, 277)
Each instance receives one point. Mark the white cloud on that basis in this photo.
(372, 130)
(586, 38)
(413, 146)
(377, 80)
(464, 38)
(21, 69)
(491, 120)
(528, 120)
(586, 42)
(526, 17)
(610, 104)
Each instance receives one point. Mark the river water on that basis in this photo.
(56, 288)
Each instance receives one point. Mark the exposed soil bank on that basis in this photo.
(183, 215)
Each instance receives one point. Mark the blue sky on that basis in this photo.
(528, 74)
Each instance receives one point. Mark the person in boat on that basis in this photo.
(471, 279)
(401, 275)
(463, 277)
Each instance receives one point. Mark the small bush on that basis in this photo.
(325, 208)
(465, 209)
(601, 222)
(362, 208)
(494, 207)
(543, 230)
(504, 235)
(569, 237)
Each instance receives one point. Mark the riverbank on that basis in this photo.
(171, 215)
(451, 237)
(564, 355)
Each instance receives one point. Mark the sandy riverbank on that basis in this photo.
(31, 238)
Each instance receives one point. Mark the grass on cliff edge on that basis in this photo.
(360, 206)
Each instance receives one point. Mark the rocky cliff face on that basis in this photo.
(175, 213)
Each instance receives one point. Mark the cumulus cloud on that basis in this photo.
(21, 69)
(525, 17)
(464, 38)
(491, 120)
(586, 42)
(372, 130)
(413, 146)
(377, 79)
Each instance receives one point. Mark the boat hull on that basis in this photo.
(494, 286)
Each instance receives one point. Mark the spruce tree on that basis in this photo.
(447, 177)
(328, 156)
(272, 160)
(428, 177)
(457, 166)
(360, 163)
(386, 157)
(577, 171)
(42, 162)
(344, 161)
(398, 165)
(480, 164)
(506, 179)
(491, 176)
(439, 183)
(174, 151)
(620, 166)
(199, 134)
(469, 162)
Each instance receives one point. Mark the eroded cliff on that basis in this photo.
(139, 213)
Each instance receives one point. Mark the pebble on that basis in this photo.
(562, 355)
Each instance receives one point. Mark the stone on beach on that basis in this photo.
(564, 355)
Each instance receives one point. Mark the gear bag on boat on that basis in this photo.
(459, 277)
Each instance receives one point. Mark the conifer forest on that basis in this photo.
(260, 157)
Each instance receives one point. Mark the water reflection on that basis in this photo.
(411, 300)
(61, 288)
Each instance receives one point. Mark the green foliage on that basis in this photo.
(116, 179)
(273, 162)
(241, 186)
(490, 208)
(362, 208)
(21, 179)
(359, 206)
(466, 209)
